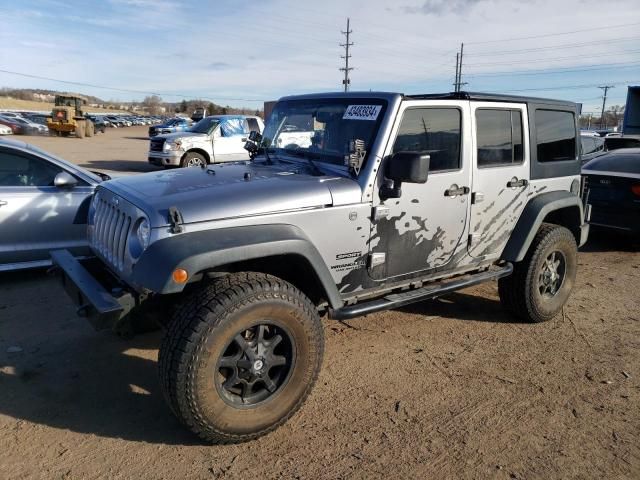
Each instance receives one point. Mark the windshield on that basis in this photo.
(323, 129)
(174, 121)
(206, 125)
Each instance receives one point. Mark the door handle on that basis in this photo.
(514, 182)
(2, 202)
(454, 191)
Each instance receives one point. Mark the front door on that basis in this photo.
(229, 139)
(36, 216)
(427, 225)
(500, 175)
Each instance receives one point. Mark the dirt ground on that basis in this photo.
(452, 388)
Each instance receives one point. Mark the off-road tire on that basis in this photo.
(200, 331)
(191, 156)
(519, 292)
(80, 129)
(89, 130)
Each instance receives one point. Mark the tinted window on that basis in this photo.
(253, 125)
(499, 137)
(25, 171)
(588, 145)
(435, 131)
(555, 135)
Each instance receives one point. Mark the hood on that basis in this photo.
(180, 135)
(232, 190)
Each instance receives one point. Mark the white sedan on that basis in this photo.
(4, 130)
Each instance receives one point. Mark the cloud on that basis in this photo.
(219, 66)
(441, 7)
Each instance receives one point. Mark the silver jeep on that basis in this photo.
(351, 204)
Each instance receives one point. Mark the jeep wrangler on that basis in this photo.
(352, 203)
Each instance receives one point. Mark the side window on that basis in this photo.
(435, 131)
(588, 145)
(253, 125)
(18, 170)
(555, 135)
(499, 137)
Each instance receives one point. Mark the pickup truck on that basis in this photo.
(214, 139)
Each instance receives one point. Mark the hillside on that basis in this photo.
(8, 103)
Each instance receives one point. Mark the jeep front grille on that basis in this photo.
(111, 232)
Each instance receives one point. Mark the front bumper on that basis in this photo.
(99, 296)
(163, 159)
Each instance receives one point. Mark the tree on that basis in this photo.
(152, 104)
(224, 110)
(183, 106)
(211, 109)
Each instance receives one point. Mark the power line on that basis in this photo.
(81, 84)
(554, 34)
(538, 60)
(346, 69)
(553, 47)
(552, 71)
(565, 87)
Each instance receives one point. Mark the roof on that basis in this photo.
(485, 97)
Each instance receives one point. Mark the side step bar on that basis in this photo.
(396, 300)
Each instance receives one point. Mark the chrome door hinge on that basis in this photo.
(379, 212)
(477, 197)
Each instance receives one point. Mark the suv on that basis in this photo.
(175, 124)
(214, 139)
(385, 200)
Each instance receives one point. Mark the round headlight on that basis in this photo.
(144, 233)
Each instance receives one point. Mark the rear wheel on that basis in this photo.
(541, 283)
(80, 129)
(193, 159)
(240, 357)
(89, 130)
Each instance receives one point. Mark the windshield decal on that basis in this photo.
(362, 112)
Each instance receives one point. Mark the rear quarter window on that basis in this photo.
(555, 135)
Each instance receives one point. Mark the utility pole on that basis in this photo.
(455, 81)
(605, 89)
(459, 83)
(346, 69)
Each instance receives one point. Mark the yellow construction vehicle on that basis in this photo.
(68, 117)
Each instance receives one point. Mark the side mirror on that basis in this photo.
(255, 136)
(65, 180)
(410, 167)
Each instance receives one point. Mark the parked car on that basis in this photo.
(612, 183)
(214, 139)
(39, 118)
(395, 199)
(16, 127)
(115, 121)
(43, 205)
(5, 130)
(176, 124)
(614, 143)
(11, 114)
(591, 147)
(99, 124)
(32, 128)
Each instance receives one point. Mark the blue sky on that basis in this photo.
(243, 52)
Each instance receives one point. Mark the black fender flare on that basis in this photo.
(532, 217)
(199, 251)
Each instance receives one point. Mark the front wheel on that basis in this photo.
(240, 357)
(541, 283)
(193, 159)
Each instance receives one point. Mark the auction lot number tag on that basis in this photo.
(362, 112)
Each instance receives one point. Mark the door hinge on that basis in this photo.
(477, 197)
(376, 259)
(379, 212)
(473, 239)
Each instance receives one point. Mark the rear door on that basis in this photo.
(36, 216)
(500, 175)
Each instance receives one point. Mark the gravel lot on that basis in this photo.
(452, 388)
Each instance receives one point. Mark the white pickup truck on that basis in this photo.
(214, 139)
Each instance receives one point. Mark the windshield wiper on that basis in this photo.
(316, 171)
